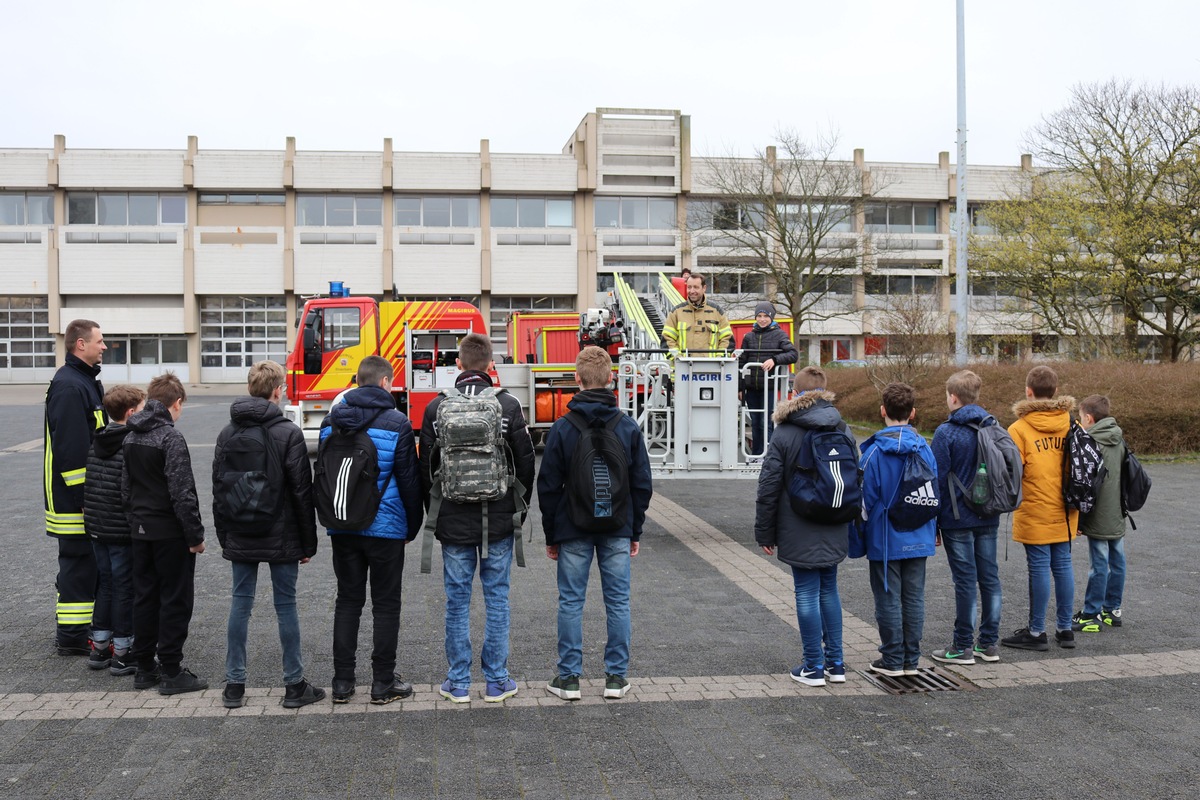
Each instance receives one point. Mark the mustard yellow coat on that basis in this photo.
(1040, 430)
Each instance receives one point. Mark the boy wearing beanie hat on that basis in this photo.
(768, 344)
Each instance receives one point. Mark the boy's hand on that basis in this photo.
(937, 540)
(768, 549)
(305, 560)
(552, 551)
(197, 549)
(634, 548)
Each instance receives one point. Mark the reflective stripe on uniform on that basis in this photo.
(74, 477)
(74, 613)
(64, 523)
(99, 414)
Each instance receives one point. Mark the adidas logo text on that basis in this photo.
(925, 496)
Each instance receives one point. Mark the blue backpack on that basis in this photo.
(826, 483)
(916, 500)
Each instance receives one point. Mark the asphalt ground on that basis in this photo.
(711, 713)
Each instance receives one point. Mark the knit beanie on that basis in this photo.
(765, 308)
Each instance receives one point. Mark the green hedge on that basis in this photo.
(1157, 405)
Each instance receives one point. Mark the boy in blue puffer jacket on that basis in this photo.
(897, 557)
(379, 549)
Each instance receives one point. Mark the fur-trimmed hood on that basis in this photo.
(803, 410)
(1045, 416)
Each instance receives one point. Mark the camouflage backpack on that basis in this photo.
(474, 463)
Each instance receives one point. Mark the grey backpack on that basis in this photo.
(474, 463)
(996, 487)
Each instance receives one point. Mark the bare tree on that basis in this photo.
(1106, 241)
(785, 216)
(917, 339)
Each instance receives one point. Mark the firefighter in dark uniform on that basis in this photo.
(74, 412)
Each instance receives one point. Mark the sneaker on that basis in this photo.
(912, 669)
(145, 679)
(234, 695)
(185, 681)
(879, 669)
(835, 672)
(1022, 639)
(1111, 618)
(615, 686)
(100, 655)
(387, 691)
(122, 664)
(498, 692)
(304, 693)
(73, 649)
(565, 688)
(809, 676)
(343, 690)
(1065, 639)
(953, 655)
(1085, 623)
(454, 695)
(991, 653)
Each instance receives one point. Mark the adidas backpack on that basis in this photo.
(996, 488)
(916, 500)
(1083, 469)
(248, 481)
(597, 486)
(826, 483)
(346, 479)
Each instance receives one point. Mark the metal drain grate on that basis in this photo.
(927, 679)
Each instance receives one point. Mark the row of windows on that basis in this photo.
(121, 208)
(26, 208)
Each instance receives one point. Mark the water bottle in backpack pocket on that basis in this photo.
(826, 484)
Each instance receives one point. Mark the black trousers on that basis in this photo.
(164, 574)
(355, 558)
(76, 584)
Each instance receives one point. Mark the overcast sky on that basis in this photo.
(441, 75)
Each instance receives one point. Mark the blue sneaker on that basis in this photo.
(835, 672)
(499, 692)
(809, 676)
(454, 695)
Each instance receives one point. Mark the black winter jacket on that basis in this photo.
(759, 344)
(293, 535)
(556, 461)
(74, 412)
(103, 514)
(460, 523)
(802, 543)
(157, 484)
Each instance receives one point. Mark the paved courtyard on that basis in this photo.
(712, 713)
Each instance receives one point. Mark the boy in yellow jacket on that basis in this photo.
(1043, 523)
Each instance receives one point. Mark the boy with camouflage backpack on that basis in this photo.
(477, 464)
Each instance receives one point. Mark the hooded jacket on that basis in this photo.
(593, 404)
(801, 542)
(1039, 432)
(759, 344)
(293, 535)
(461, 523)
(74, 412)
(103, 515)
(157, 485)
(1105, 520)
(955, 449)
(882, 464)
(373, 409)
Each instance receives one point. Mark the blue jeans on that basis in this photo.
(899, 610)
(458, 572)
(1106, 577)
(819, 611)
(760, 432)
(971, 553)
(1045, 560)
(112, 617)
(283, 584)
(574, 566)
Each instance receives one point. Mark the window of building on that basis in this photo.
(240, 199)
(26, 208)
(900, 284)
(339, 210)
(235, 332)
(436, 211)
(25, 338)
(533, 212)
(819, 217)
(646, 213)
(120, 208)
(901, 217)
(727, 281)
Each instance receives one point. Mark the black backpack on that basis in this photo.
(597, 488)
(1083, 469)
(916, 500)
(346, 479)
(826, 483)
(1135, 484)
(248, 482)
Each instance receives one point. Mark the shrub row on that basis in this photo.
(1157, 405)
